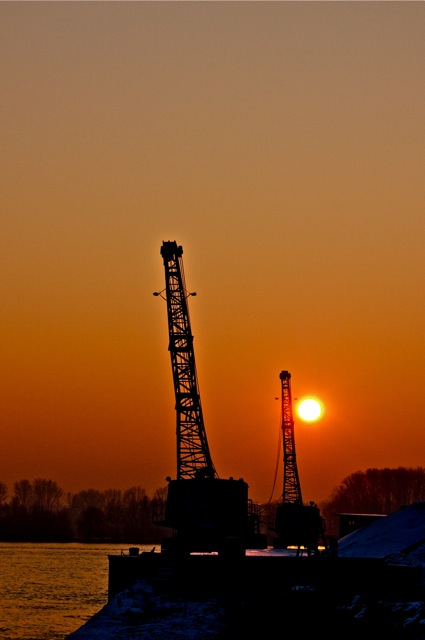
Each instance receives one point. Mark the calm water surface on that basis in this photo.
(49, 590)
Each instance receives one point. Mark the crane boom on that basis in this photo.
(291, 481)
(296, 524)
(193, 454)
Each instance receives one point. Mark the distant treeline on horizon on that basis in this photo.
(41, 511)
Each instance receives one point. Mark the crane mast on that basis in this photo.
(291, 482)
(193, 454)
(296, 524)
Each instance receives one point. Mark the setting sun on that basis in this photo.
(309, 409)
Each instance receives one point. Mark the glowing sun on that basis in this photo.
(309, 409)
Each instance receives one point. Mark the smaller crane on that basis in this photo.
(296, 524)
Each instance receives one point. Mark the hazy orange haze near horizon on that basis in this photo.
(282, 145)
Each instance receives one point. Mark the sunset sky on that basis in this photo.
(282, 144)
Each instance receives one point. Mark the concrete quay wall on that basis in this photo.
(212, 574)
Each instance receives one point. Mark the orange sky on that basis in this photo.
(282, 144)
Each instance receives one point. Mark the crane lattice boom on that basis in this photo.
(193, 455)
(295, 523)
(291, 482)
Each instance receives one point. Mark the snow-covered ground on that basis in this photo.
(401, 536)
(398, 538)
(140, 613)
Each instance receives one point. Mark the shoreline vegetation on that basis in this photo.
(40, 511)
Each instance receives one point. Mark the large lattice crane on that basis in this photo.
(205, 512)
(193, 454)
(291, 482)
(297, 525)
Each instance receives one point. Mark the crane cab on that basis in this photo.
(206, 515)
(298, 525)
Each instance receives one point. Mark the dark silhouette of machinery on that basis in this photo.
(296, 524)
(205, 512)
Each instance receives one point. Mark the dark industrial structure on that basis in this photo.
(204, 512)
(349, 522)
(296, 524)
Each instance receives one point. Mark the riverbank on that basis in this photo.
(206, 596)
(139, 613)
(374, 589)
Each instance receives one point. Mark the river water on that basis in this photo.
(49, 590)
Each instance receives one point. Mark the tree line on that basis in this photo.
(374, 491)
(40, 511)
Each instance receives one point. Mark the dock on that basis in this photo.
(264, 574)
